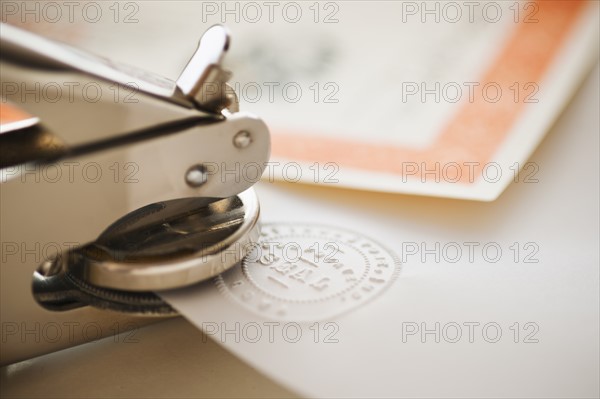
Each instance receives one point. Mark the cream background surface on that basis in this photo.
(560, 293)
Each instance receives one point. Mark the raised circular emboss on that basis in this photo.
(305, 272)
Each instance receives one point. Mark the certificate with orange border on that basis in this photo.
(483, 145)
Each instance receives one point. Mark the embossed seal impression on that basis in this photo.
(306, 272)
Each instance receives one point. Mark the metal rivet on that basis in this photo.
(196, 176)
(242, 139)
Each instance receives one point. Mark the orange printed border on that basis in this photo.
(10, 113)
(478, 128)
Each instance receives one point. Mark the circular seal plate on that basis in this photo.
(305, 272)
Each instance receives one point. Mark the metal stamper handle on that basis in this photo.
(180, 135)
(161, 246)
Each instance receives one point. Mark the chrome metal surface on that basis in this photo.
(141, 137)
(160, 246)
(170, 244)
(162, 123)
(196, 176)
(242, 139)
(203, 80)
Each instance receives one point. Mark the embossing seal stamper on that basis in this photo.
(306, 272)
